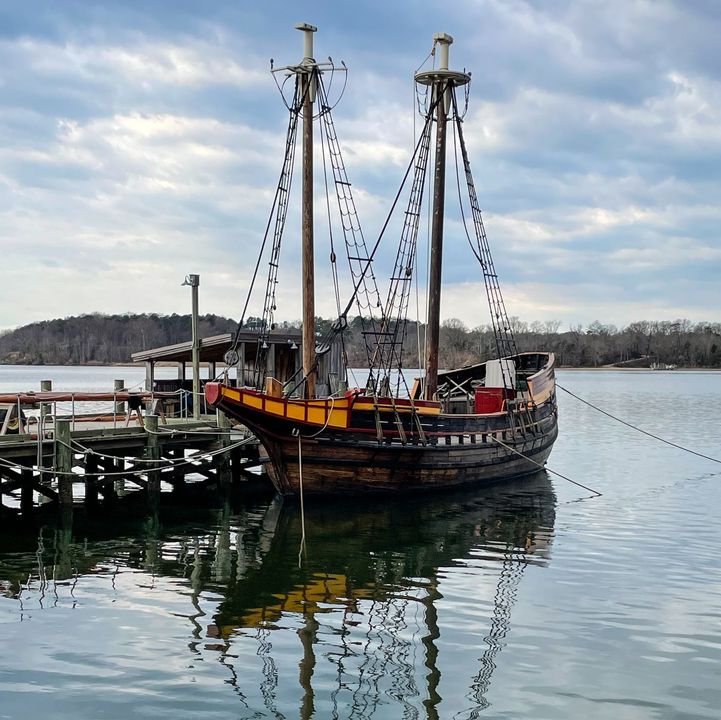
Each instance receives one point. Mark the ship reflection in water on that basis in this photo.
(399, 608)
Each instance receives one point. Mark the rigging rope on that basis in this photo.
(341, 323)
(333, 263)
(269, 305)
(427, 279)
(280, 198)
(390, 351)
(502, 330)
(638, 429)
(368, 296)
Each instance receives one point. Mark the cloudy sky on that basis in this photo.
(140, 141)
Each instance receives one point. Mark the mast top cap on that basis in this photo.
(442, 74)
(444, 38)
(307, 31)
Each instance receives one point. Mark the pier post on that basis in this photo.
(26, 492)
(194, 282)
(119, 386)
(63, 545)
(45, 386)
(225, 476)
(118, 484)
(222, 563)
(64, 455)
(150, 376)
(91, 481)
(178, 472)
(152, 452)
(45, 469)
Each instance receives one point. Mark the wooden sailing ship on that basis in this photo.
(484, 423)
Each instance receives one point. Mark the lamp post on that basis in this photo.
(194, 282)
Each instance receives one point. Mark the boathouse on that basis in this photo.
(283, 359)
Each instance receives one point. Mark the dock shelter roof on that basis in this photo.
(212, 349)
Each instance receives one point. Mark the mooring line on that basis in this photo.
(301, 549)
(544, 467)
(638, 429)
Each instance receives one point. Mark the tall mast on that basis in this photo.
(306, 72)
(442, 81)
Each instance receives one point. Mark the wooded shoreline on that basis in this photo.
(97, 339)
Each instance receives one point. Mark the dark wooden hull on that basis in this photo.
(329, 469)
(467, 452)
(357, 444)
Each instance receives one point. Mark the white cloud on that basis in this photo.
(145, 63)
(594, 133)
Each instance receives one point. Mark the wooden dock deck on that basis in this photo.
(66, 461)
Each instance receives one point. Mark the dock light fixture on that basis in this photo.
(193, 281)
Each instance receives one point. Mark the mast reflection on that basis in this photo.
(365, 628)
(381, 572)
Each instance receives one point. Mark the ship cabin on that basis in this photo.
(283, 362)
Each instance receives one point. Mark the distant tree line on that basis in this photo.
(105, 339)
(101, 339)
(639, 344)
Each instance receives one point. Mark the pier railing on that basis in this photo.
(20, 411)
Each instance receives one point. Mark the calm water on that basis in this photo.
(21, 378)
(521, 602)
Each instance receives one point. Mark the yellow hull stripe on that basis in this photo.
(333, 413)
(400, 409)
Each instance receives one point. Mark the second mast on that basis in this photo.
(307, 70)
(442, 81)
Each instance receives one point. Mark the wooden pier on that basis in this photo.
(55, 451)
(104, 461)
